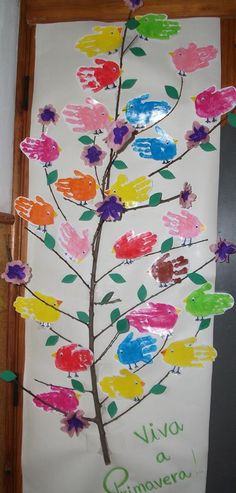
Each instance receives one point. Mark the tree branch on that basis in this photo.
(80, 205)
(147, 205)
(58, 386)
(53, 195)
(130, 44)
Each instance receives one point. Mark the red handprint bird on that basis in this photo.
(212, 103)
(168, 271)
(37, 212)
(189, 59)
(98, 78)
(73, 358)
(131, 246)
(44, 149)
(81, 188)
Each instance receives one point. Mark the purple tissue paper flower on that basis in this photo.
(133, 4)
(110, 209)
(198, 135)
(16, 272)
(74, 423)
(93, 155)
(187, 196)
(222, 250)
(119, 133)
(47, 115)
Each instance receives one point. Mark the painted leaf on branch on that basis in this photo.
(138, 51)
(115, 314)
(196, 278)
(52, 340)
(172, 92)
(132, 24)
(52, 177)
(107, 298)
(122, 326)
(142, 293)
(208, 147)
(167, 245)
(165, 173)
(128, 83)
(69, 278)
(155, 199)
(86, 140)
(87, 216)
(158, 389)
(49, 241)
(83, 317)
(231, 117)
(8, 376)
(204, 324)
(117, 278)
(112, 409)
(119, 164)
(77, 385)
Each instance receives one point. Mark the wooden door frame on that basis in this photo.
(43, 11)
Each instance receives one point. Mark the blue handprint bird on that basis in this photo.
(161, 149)
(140, 112)
(132, 351)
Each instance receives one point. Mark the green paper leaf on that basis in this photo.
(155, 199)
(87, 216)
(122, 326)
(117, 278)
(119, 164)
(8, 376)
(52, 177)
(158, 389)
(112, 409)
(196, 278)
(77, 385)
(107, 298)
(204, 324)
(128, 83)
(69, 279)
(115, 314)
(138, 51)
(52, 340)
(142, 293)
(172, 92)
(231, 117)
(165, 173)
(83, 317)
(86, 140)
(167, 245)
(49, 241)
(132, 24)
(208, 147)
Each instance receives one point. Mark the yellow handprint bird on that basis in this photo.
(131, 192)
(106, 40)
(182, 353)
(37, 310)
(128, 385)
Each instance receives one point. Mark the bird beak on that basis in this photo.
(53, 355)
(77, 395)
(164, 351)
(178, 310)
(185, 300)
(59, 302)
(113, 250)
(55, 214)
(97, 187)
(203, 228)
(108, 192)
(171, 53)
(116, 357)
(119, 29)
(142, 383)
(176, 141)
(110, 118)
(124, 109)
(193, 98)
(121, 71)
(60, 149)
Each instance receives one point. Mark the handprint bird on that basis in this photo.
(201, 304)
(64, 399)
(157, 318)
(45, 312)
(187, 60)
(92, 117)
(183, 354)
(106, 39)
(98, 78)
(81, 188)
(131, 246)
(169, 271)
(131, 192)
(212, 103)
(36, 211)
(162, 148)
(127, 385)
(156, 26)
(75, 246)
(73, 358)
(184, 225)
(132, 351)
(45, 149)
(140, 112)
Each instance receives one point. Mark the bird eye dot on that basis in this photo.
(172, 350)
(196, 226)
(193, 299)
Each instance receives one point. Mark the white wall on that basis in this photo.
(9, 19)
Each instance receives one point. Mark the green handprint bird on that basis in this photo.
(201, 305)
(156, 26)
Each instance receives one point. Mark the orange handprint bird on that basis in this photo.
(81, 188)
(36, 211)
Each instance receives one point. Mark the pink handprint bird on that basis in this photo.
(92, 117)
(102, 77)
(76, 246)
(184, 225)
(212, 103)
(189, 59)
(64, 399)
(44, 149)
(157, 318)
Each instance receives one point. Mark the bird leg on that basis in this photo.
(76, 374)
(176, 370)
(45, 229)
(110, 86)
(69, 375)
(46, 165)
(98, 131)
